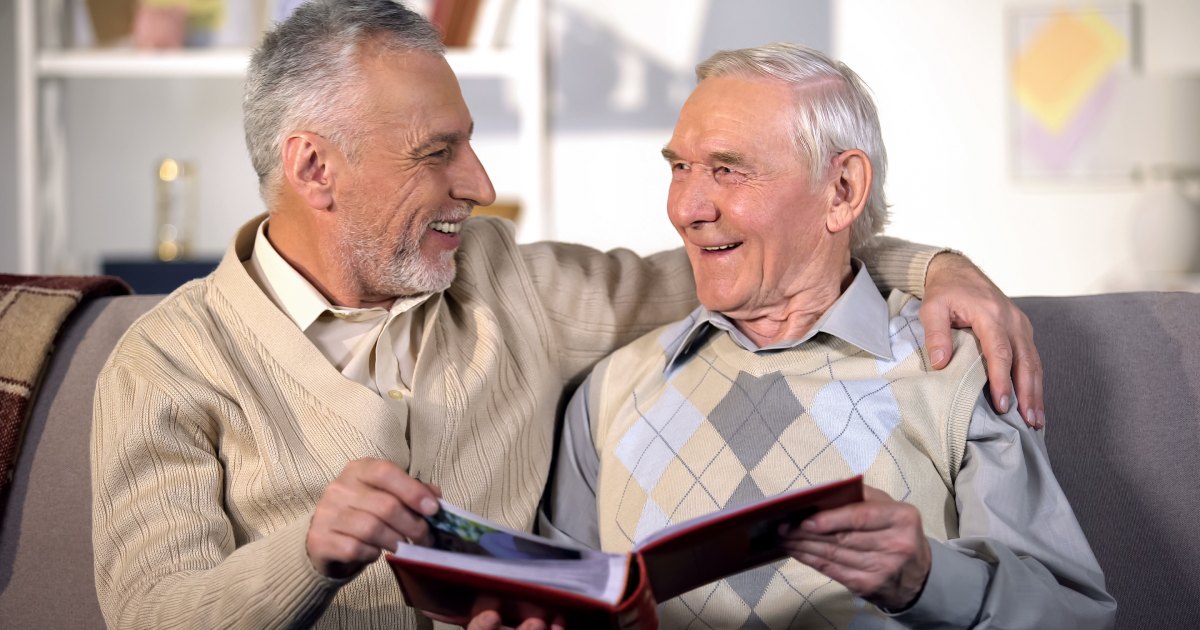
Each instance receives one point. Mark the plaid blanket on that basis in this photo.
(32, 309)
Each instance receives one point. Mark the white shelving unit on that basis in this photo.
(43, 141)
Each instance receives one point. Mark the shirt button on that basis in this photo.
(395, 394)
(340, 315)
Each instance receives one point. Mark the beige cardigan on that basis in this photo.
(218, 425)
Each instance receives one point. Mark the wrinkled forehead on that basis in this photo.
(751, 113)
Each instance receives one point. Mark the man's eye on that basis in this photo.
(440, 154)
(679, 166)
(726, 175)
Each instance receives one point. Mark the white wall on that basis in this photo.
(939, 74)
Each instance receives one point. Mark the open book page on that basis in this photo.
(601, 577)
(473, 543)
(767, 528)
(707, 548)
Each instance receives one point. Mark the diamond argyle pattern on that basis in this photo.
(726, 427)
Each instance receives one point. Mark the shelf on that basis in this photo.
(113, 64)
(230, 63)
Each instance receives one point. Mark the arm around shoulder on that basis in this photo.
(899, 264)
(617, 291)
(956, 293)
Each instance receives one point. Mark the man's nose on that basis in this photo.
(692, 202)
(470, 182)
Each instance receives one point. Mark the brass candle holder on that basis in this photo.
(176, 203)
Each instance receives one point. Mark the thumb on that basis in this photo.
(936, 321)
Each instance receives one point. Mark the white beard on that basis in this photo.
(383, 270)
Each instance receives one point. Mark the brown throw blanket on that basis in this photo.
(32, 308)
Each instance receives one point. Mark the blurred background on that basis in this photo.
(1055, 143)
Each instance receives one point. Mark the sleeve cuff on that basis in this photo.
(299, 588)
(900, 264)
(953, 591)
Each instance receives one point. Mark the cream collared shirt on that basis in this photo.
(375, 347)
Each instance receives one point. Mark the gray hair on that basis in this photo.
(305, 75)
(835, 114)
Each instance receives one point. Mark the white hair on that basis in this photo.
(305, 75)
(834, 113)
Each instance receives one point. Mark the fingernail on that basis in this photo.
(937, 355)
(808, 525)
(1003, 404)
(429, 507)
(1041, 418)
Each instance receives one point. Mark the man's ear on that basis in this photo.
(308, 168)
(850, 179)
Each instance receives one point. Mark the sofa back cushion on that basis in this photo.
(1123, 430)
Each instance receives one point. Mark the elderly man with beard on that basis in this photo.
(264, 433)
(794, 371)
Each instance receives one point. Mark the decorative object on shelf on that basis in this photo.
(176, 202)
(480, 24)
(455, 19)
(111, 20)
(1071, 84)
(168, 24)
(160, 27)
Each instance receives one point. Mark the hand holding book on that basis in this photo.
(876, 548)
(474, 562)
(372, 504)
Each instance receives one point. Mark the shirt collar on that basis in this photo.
(859, 316)
(298, 298)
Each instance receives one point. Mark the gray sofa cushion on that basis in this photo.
(46, 578)
(1123, 431)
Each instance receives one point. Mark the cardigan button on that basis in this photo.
(395, 394)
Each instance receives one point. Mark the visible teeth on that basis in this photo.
(720, 247)
(446, 228)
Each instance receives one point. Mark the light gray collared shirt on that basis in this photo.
(1021, 559)
(854, 317)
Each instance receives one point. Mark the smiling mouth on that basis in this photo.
(721, 248)
(446, 227)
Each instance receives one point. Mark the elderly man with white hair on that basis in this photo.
(796, 371)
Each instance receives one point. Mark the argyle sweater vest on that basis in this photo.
(724, 426)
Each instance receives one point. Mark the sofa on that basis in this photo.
(1122, 393)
